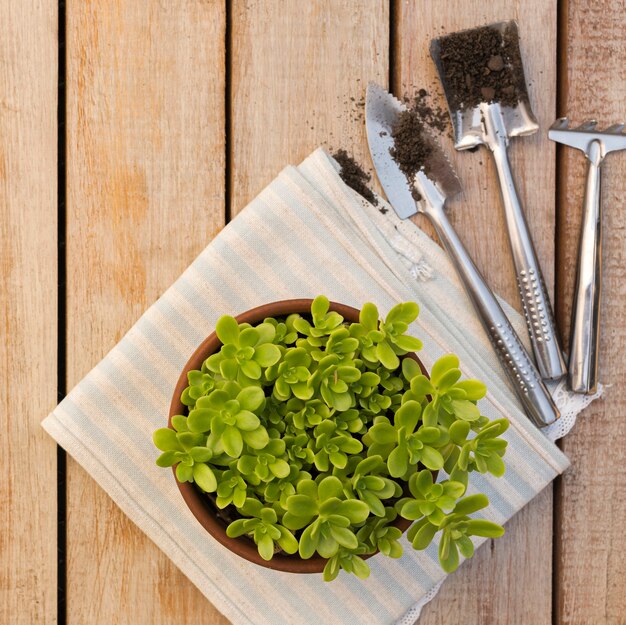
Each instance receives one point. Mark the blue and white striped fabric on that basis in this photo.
(305, 234)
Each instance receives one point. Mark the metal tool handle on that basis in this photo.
(532, 288)
(520, 369)
(583, 362)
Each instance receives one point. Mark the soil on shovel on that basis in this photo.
(354, 176)
(482, 65)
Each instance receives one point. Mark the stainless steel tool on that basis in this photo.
(583, 360)
(492, 124)
(382, 111)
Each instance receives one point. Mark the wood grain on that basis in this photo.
(145, 193)
(496, 585)
(28, 311)
(591, 499)
(299, 72)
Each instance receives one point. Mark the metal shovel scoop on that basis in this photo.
(583, 362)
(492, 123)
(427, 194)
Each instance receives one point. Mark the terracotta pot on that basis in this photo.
(199, 503)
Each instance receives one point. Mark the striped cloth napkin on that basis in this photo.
(306, 233)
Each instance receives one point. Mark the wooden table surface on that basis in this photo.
(131, 131)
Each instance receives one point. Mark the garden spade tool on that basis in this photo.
(382, 111)
(492, 124)
(583, 360)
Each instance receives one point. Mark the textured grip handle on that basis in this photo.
(540, 322)
(534, 295)
(515, 360)
(522, 373)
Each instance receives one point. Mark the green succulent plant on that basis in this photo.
(315, 436)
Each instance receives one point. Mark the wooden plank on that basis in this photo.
(299, 71)
(510, 580)
(145, 193)
(591, 499)
(28, 310)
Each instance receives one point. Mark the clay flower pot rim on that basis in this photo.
(198, 502)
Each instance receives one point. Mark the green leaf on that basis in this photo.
(471, 504)
(247, 421)
(287, 541)
(448, 379)
(466, 410)
(228, 368)
(338, 459)
(166, 439)
(251, 398)
(449, 558)
(232, 441)
(266, 333)
(348, 374)
(481, 527)
(344, 536)
(266, 547)
(236, 528)
(249, 337)
(257, 439)
(406, 312)
(398, 461)
(421, 386)
(360, 567)
(387, 356)
(466, 546)
(354, 510)
(442, 366)
(184, 472)
(180, 423)
(204, 477)
(410, 368)
(331, 570)
(301, 506)
(201, 454)
(227, 329)
(329, 487)
(474, 389)
(267, 355)
(368, 316)
(495, 465)
(167, 459)
(375, 505)
(424, 536)
(280, 468)
(431, 458)
(383, 433)
(411, 510)
(319, 306)
(308, 542)
(408, 343)
(408, 415)
(251, 369)
(458, 432)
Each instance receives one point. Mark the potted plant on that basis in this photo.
(307, 436)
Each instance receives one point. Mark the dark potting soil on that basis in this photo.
(431, 114)
(354, 176)
(411, 147)
(482, 65)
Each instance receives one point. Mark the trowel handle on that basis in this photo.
(535, 302)
(583, 362)
(515, 360)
